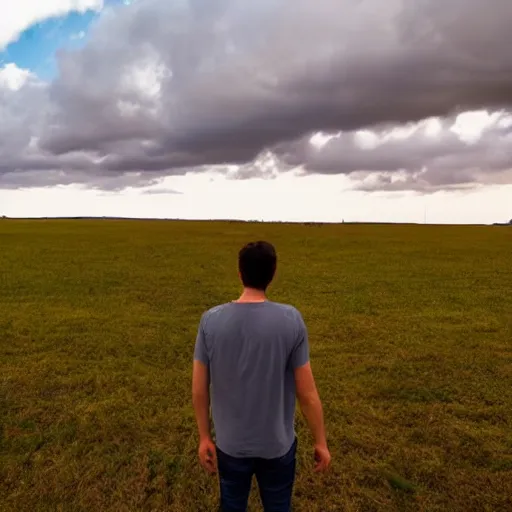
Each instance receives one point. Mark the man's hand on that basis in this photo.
(322, 458)
(208, 455)
(312, 409)
(201, 401)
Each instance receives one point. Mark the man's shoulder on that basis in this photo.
(287, 309)
(215, 310)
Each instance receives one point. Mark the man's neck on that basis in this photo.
(252, 295)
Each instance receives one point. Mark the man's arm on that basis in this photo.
(201, 403)
(201, 398)
(311, 407)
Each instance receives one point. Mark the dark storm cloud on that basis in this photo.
(164, 87)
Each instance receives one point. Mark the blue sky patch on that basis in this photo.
(37, 46)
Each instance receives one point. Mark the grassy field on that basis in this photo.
(411, 342)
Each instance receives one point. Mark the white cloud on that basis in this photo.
(78, 36)
(12, 77)
(18, 15)
(469, 126)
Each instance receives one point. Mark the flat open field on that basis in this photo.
(411, 342)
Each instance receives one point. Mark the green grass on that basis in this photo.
(411, 343)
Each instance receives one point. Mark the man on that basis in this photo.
(254, 355)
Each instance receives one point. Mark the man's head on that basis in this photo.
(257, 265)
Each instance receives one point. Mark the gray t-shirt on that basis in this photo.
(251, 350)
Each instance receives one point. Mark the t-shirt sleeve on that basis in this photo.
(300, 353)
(200, 351)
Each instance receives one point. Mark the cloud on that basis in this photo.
(78, 36)
(426, 156)
(12, 77)
(16, 17)
(164, 88)
(160, 191)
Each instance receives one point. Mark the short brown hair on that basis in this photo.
(257, 262)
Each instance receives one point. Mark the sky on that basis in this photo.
(320, 110)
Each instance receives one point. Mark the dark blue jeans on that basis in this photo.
(275, 480)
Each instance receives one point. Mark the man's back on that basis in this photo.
(252, 350)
